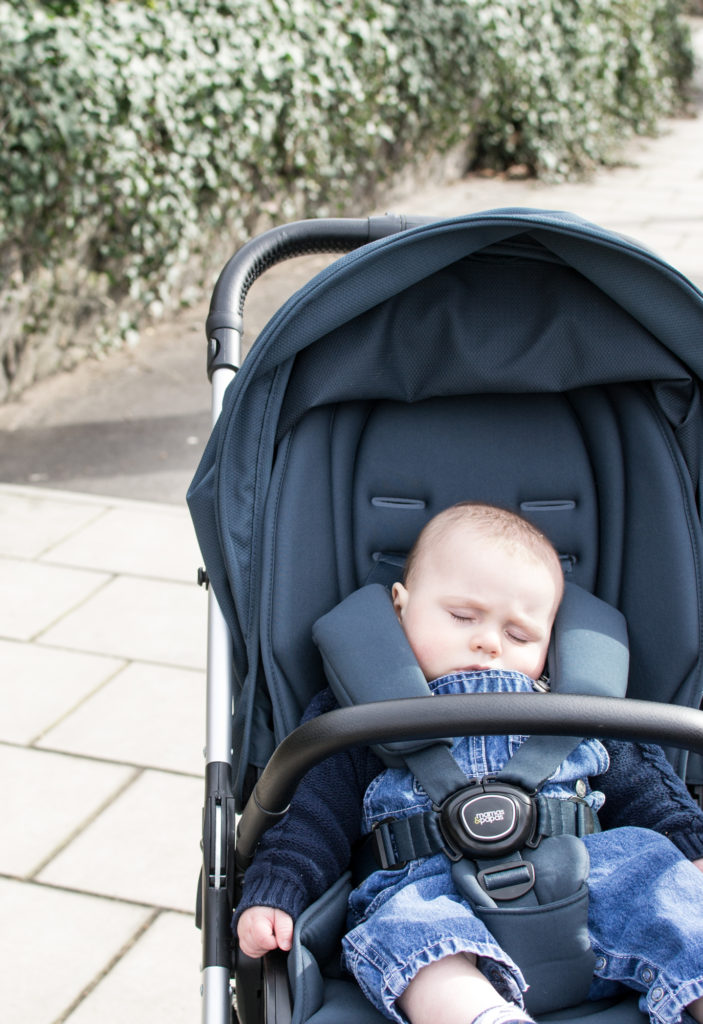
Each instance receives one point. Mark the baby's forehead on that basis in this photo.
(475, 538)
(472, 538)
(440, 540)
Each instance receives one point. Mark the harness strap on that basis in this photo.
(529, 767)
(437, 771)
(405, 839)
(395, 841)
(384, 667)
(536, 759)
(571, 817)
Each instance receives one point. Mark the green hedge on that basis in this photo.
(135, 133)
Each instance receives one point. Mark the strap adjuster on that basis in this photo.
(573, 816)
(586, 818)
(384, 847)
(507, 881)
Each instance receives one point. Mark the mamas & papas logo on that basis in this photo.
(488, 817)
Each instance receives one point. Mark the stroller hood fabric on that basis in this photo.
(510, 301)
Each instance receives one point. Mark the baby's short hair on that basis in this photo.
(495, 523)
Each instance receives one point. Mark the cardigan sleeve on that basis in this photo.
(641, 788)
(301, 856)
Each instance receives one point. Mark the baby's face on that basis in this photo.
(472, 604)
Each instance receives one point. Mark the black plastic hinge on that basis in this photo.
(218, 874)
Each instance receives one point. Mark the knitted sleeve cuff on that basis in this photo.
(689, 841)
(282, 894)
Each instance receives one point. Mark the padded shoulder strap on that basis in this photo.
(367, 658)
(589, 652)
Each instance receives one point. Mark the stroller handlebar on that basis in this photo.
(469, 715)
(301, 238)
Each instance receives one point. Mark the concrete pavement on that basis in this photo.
(102, 647)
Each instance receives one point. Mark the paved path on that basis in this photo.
(102, 632)
(102, 646)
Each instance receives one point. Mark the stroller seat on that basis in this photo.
(515, 358)
(354, 484)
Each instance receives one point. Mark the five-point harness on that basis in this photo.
(517, 854)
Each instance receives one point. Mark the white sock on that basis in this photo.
(506, 1013)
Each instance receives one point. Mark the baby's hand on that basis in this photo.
(261, 929)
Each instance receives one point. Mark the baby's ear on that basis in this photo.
(400, 599)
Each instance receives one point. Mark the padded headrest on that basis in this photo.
(367, 658)
(588, 653)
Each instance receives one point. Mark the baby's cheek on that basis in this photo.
(534, 666)
(430, 658)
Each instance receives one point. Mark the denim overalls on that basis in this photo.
(400, 921)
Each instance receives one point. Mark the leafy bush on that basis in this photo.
(142, 138)
(566, 80)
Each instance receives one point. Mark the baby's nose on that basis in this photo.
(487, 640)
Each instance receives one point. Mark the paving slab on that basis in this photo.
(33, 596)
(96, 843)
(138, 619)
(40, 685)
(152, 542)
(149, 715)
(54, 945)
(143, 848)
(45, 799)
(30, 523)
(157, 981)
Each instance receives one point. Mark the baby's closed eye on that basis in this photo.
(463, 617)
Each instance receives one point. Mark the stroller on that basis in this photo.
(523, 358)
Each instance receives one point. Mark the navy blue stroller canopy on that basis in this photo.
(494, 310)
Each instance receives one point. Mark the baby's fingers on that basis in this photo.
(283, 929)
(255, 931)
(261, 929)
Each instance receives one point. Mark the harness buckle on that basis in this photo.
(488, 819)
